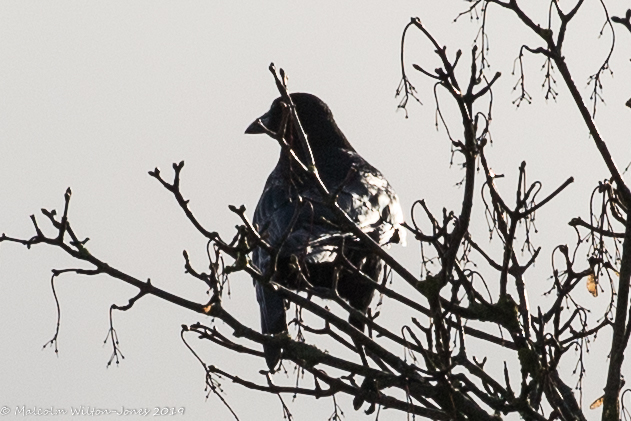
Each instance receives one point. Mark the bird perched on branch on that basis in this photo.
(311, 246)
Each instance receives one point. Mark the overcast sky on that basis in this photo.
(95, 94)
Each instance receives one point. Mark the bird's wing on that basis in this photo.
(370, 201)
(309, 227)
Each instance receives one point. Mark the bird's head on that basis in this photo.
(315, 117)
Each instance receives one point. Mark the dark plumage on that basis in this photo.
(314, 238)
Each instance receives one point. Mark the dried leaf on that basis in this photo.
(597, 402)
(592, 285)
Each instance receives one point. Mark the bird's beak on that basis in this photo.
(257, 126)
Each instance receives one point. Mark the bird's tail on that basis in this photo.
(273, 321)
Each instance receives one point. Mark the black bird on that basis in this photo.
(291, 215)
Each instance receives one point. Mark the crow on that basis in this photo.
(294, 218)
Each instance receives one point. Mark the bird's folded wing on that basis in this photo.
(372, 204)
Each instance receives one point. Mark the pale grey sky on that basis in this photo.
(95, 94)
